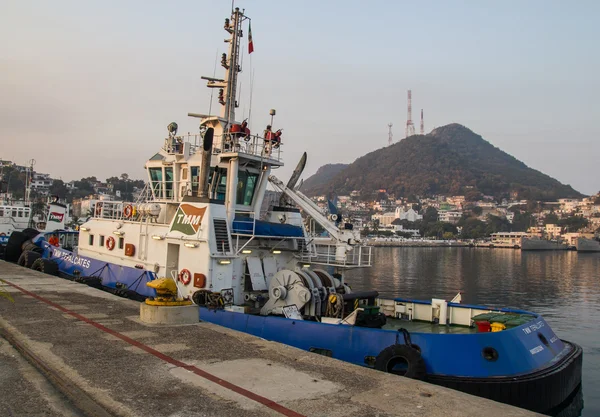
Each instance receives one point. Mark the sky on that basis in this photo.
(88, 88)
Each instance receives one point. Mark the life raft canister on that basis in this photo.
(185, 276)
(128, 211)
(239, 130)
(110, 243)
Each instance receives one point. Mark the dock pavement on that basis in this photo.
(92, 348)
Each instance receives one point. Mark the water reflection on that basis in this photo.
(563, 286)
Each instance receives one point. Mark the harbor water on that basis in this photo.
(562, 286)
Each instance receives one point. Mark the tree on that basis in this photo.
(59, 189)
(551, 218)
(448, 235)
(573, 223)
(497, 224)
(376, 227)
(473, 229)
(125, 177)
(476, 210)
(431, 215)
(522, 222)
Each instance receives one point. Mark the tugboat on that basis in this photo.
(200, 224)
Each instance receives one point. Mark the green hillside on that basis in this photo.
(451, 160)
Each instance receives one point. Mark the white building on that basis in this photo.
(385, 219)
(413, 232)
(411, 215)
(41, 182)
(447, 216)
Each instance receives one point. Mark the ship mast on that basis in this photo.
(228, 86)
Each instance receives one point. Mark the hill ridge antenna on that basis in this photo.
(410, 127)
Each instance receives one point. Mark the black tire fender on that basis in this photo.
(395, 354)
(30, 258)
(13, 246)
(47, 266)
(22, 259)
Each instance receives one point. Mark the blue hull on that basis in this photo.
(113, 276)
(520, 350)
(534, 369)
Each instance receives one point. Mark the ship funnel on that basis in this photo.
(207, 144)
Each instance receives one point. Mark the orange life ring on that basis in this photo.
(98, 210)
(110, 243)
(128, 211)
(185, 276)
(2, 234)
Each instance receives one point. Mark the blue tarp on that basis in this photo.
(244, 225)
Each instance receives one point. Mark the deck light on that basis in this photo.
(118, 233)
(157, 237)
(224, 261)
(246, 251)
(306, 266)
(84, 229)
(190, 245)
(276, 251)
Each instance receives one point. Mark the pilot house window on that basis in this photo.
(156, 179)
(246, 184)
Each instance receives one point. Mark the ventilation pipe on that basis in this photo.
(207, 144)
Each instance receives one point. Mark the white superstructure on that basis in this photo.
(199, 221)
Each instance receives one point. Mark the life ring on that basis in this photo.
(128, 211)
(110, 243)
(185, 276)
(98, 210)
(2, 234)
(401, 360)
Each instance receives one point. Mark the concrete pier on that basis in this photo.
(93, 348)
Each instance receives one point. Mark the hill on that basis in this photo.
(323, 176)
(451, 160)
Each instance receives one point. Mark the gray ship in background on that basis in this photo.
(587, 245)
(536, 243)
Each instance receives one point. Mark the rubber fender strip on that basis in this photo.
(212, 378)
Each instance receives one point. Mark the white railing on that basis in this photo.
(251, 145)
(358, 256)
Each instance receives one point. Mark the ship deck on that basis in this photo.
(92, 345)
(426, 327)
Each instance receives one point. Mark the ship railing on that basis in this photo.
(113, 210)
(254, 145)
(359, 256)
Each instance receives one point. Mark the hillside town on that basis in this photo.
(458, 217)
(469, 216)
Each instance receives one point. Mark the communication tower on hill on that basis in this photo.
(390, 135)
(422, 123)
(410, 127)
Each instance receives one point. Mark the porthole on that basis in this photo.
(490, 354)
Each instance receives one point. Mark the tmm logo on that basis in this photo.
(56, 217)
(188, 219)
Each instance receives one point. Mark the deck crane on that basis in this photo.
(344, 239)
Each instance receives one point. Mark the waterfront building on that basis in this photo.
(508, 239)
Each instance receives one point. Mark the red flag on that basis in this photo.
(250, 44)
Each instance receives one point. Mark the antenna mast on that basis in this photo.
(390, 135)
(422, 123)
(227, 86)
(410, 127)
